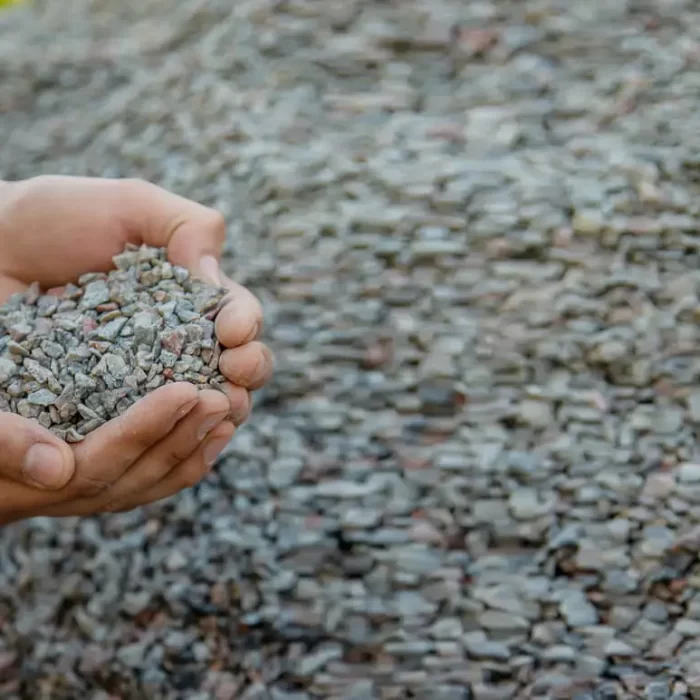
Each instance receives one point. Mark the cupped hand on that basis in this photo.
(52, 230)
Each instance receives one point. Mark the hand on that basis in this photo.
(52, 230)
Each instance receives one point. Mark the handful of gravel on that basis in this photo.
(75, 361)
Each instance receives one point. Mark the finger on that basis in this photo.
(119, 212)
(108, 452)
(190, 231)
(249, 366)
(31, 455)
(240, 401)
(154, 465)
(241, 319)
(92, 233)
(187, 474)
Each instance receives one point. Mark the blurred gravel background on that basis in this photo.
(474, 229)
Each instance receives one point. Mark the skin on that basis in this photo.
(52, 230)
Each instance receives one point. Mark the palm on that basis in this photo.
(68, 226)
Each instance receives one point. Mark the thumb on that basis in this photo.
(193, 234)
(31, 455)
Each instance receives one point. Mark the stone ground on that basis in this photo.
(473, 226)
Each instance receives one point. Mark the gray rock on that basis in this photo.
(688, 628)
(135, 603)
(482, 691)
(497, 620)
(446, 628)
(689, 473)
(311, 663)
(95, 293)
(536, 413)
(131, 655)
(616, 647)
(577, 611)
(478, 646)
(526, 504)
(284, 472)
(8, 369)
(42, 397)
(559, 653)
(657, 691)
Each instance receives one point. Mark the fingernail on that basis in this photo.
(265, 365)
(260, 368)
(214, 449)
(209, 267)
(44, 465)
(240, 415)
(209, 424)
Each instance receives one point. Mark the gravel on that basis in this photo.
(473, 229)
(107, 341)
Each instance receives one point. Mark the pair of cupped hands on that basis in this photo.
(52, 230)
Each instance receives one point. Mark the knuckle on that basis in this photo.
(250, 331)
(215, 221)
(91, 487)
(237, 397)
(135, 183)
(240, 417)
(239, 402)
(257, 313)
(240, 412)
(133, 434)
(192, 475)
(178, 453)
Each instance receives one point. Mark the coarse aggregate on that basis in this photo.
(79, 356)
(473, 227)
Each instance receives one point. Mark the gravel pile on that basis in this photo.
(77, 359)
(474, 228)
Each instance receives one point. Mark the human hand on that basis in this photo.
(52, 230)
